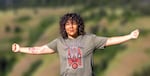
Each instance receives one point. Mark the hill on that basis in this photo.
(30, 28)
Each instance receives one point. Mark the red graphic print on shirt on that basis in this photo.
(74, 58)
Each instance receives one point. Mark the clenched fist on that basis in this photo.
(134, 34)
(15, 47)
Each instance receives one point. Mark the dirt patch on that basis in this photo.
(51, 70)
(131, 61)
(128, 64)
(23, 65)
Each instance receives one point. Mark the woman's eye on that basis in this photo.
(67, 23)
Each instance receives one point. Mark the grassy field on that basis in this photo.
(30, 28)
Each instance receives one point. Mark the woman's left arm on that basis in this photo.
(120, 39)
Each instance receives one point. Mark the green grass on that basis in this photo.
(33, 68)
(144, 71)
(23, 19)
(35, 33)
(104, 59)
(6, 63)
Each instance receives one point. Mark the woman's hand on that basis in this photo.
(15, 47)
(134, 34)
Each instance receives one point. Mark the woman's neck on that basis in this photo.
(72, 37)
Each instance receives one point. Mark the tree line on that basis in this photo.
(140, 5)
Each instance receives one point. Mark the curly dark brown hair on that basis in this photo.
(73, 17)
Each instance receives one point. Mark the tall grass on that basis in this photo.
(23, 19)
(36, 32)
(105, 57)
(6, 63)
(34, 66)
(144, 71)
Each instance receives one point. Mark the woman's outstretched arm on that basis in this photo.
(120, 39)
(32, 50)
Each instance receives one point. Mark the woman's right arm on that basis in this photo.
(32, 50)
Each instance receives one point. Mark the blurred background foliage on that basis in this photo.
(36, 22)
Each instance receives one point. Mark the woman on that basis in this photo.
(75, 48)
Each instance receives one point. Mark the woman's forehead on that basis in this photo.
(71, 20)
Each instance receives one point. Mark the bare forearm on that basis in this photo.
(117, 40)
(30, 50)
(36, 50)
(120, 39)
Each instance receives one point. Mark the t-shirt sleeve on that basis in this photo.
(99, 42)
(53, 45)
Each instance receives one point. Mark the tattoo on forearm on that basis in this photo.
(34, 49)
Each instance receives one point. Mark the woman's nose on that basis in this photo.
(71, 26)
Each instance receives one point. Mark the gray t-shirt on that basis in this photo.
(76, 55)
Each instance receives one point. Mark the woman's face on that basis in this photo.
(71, 28)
